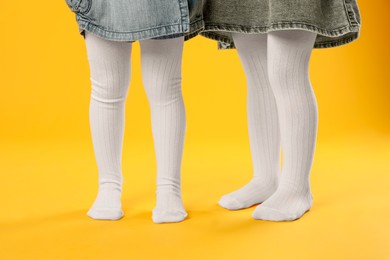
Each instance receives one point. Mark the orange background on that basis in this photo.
(49, 176)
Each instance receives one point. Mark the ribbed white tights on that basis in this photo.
(282, 110)
(110, 77)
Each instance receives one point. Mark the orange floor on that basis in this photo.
(49, 187)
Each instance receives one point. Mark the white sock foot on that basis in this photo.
(107, 205)
(284, 205)
(255, 192)
(169, 208)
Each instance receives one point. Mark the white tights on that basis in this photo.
(110, 77)
(282, 110)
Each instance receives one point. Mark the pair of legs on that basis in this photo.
(110, 70)
(282, 113)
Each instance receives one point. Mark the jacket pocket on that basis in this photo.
(79, 6)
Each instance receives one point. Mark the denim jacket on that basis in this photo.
(130, 20)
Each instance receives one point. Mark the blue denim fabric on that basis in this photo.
(336, 22)
(131, 20)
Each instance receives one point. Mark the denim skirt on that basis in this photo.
(336, 22)
(131, 20)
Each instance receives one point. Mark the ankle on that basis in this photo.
(110, 184)
(270, 182)
(299, 188)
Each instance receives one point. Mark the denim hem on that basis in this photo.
(164, 31)
(195, 28)
(224, 42)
